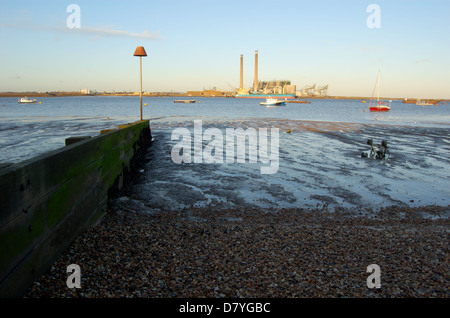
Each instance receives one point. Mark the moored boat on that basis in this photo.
(380, 106)
(424, 103)
(298, 101)
(254, 95)
(26, 100)
(273, 102)
(188, 101)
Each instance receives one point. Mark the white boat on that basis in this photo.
(273, 102)
(424, 103)
(26, 100)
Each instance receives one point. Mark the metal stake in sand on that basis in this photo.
(140, 51)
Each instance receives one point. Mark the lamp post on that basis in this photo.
(140, 51)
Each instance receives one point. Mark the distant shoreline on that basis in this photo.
(163, 94)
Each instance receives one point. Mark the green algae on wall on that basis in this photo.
(45, 202)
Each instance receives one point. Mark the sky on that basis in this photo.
(196, 45)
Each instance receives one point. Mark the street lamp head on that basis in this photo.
(140, 51)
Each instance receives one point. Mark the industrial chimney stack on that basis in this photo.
(255, 84)
(241, 86)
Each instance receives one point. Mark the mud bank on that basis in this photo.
(319, 164)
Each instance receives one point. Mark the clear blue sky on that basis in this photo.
(196, 44)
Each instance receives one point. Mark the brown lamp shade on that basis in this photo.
(140, 51)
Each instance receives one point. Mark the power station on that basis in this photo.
(276, 89)
(263, 89)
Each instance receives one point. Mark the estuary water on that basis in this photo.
(319, 160)
(350, 111)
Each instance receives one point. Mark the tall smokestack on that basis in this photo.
(241, 86)
(255, 84)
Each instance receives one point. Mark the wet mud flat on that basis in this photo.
(319, 164)
(310, 230)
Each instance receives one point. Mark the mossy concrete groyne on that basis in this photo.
(47, 201)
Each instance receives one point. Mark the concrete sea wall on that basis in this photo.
(47, 201)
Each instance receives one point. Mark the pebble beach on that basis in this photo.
(234, 253)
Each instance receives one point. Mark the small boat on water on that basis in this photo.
(273, 102)
(26, 100)
(188, 101)
(298, 101)
(380, 106)
(424, 103)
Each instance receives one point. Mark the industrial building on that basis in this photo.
(87, 91)
(263, 89)
(313, 91)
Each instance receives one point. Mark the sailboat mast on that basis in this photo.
(378, 97)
